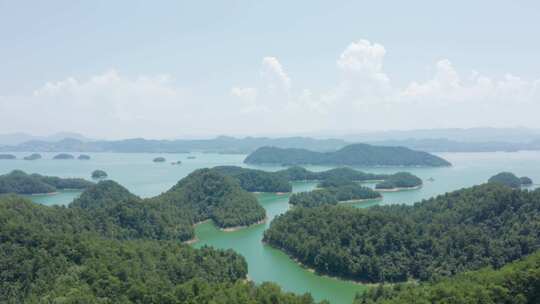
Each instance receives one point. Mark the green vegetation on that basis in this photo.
(83, 157)
(207, 194)
(21, 183)
(332, 195)
(7, 156)
(517, 282)
(400, 180)
(159, 159)
(506, 178)
(32, 156)
(256, 180)
(487, 225)
(297, 173)
(63, 156)
(351, 155)
(99, 174)
(60, 255)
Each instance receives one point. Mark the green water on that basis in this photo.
(139, 174)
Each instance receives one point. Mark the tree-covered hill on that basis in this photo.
(399, 180)
(510, 179)
(332, 195)
(517, 282)
(253, 180)
(351, 155)
(19, 182)
(207, 194)
(52, 255)
(487, 225)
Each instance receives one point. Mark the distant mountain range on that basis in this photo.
(222, 144)
(19, 138)
(435, 140)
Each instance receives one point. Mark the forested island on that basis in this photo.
(159, 159)
(33, 156)
(516, 282)
(509, 179)
(63, 156)
(7, 156)
(351, 155)
(21, 183)
(83, 157)
(486, 225)
(257, 180)
(99, 174)
(332, 195)
(399, 181)
(104, 249)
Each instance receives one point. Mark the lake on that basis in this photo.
(139, 174)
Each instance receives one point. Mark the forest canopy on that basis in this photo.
(253, 180)
(486, 225)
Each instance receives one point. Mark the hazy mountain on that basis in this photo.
(10, 139)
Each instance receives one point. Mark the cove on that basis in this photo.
(268, 264)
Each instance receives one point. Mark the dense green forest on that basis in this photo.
(256, 180)
(399, 180)
(332, 195)
(51, 255)
(63, 156)
(21, 183)
(510, 179)
(351, 155)
(32, 156)
(486, 225)
(517, 283)
(297, 173)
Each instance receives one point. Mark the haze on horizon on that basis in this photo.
(173, 69)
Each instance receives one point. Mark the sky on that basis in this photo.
(173, 69)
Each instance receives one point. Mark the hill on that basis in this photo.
(351, 155)
(256, 180)
(53, 255)
(486, 225)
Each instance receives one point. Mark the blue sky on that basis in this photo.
(220, 66)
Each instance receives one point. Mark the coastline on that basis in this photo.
(236, 228)
(344, 279)
(399, 189)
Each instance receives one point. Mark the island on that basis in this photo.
(399, 181)
(351, 155)
(178, 162)
(83, 157)
(33, 156)
(99, 174)
(399, 243)
(526, 181)
(7, 156)
(159, 159)
(20, 182)
(63, 156)
(253, 180)
(333, 194)
(509, 179)
(191, 157)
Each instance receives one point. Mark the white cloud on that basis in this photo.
(112, 104)
(273, 73)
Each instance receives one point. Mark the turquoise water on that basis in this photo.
(139, 174)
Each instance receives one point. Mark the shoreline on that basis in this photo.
(362, 200)
(236, 228)
(343, 279)
(399, 189)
